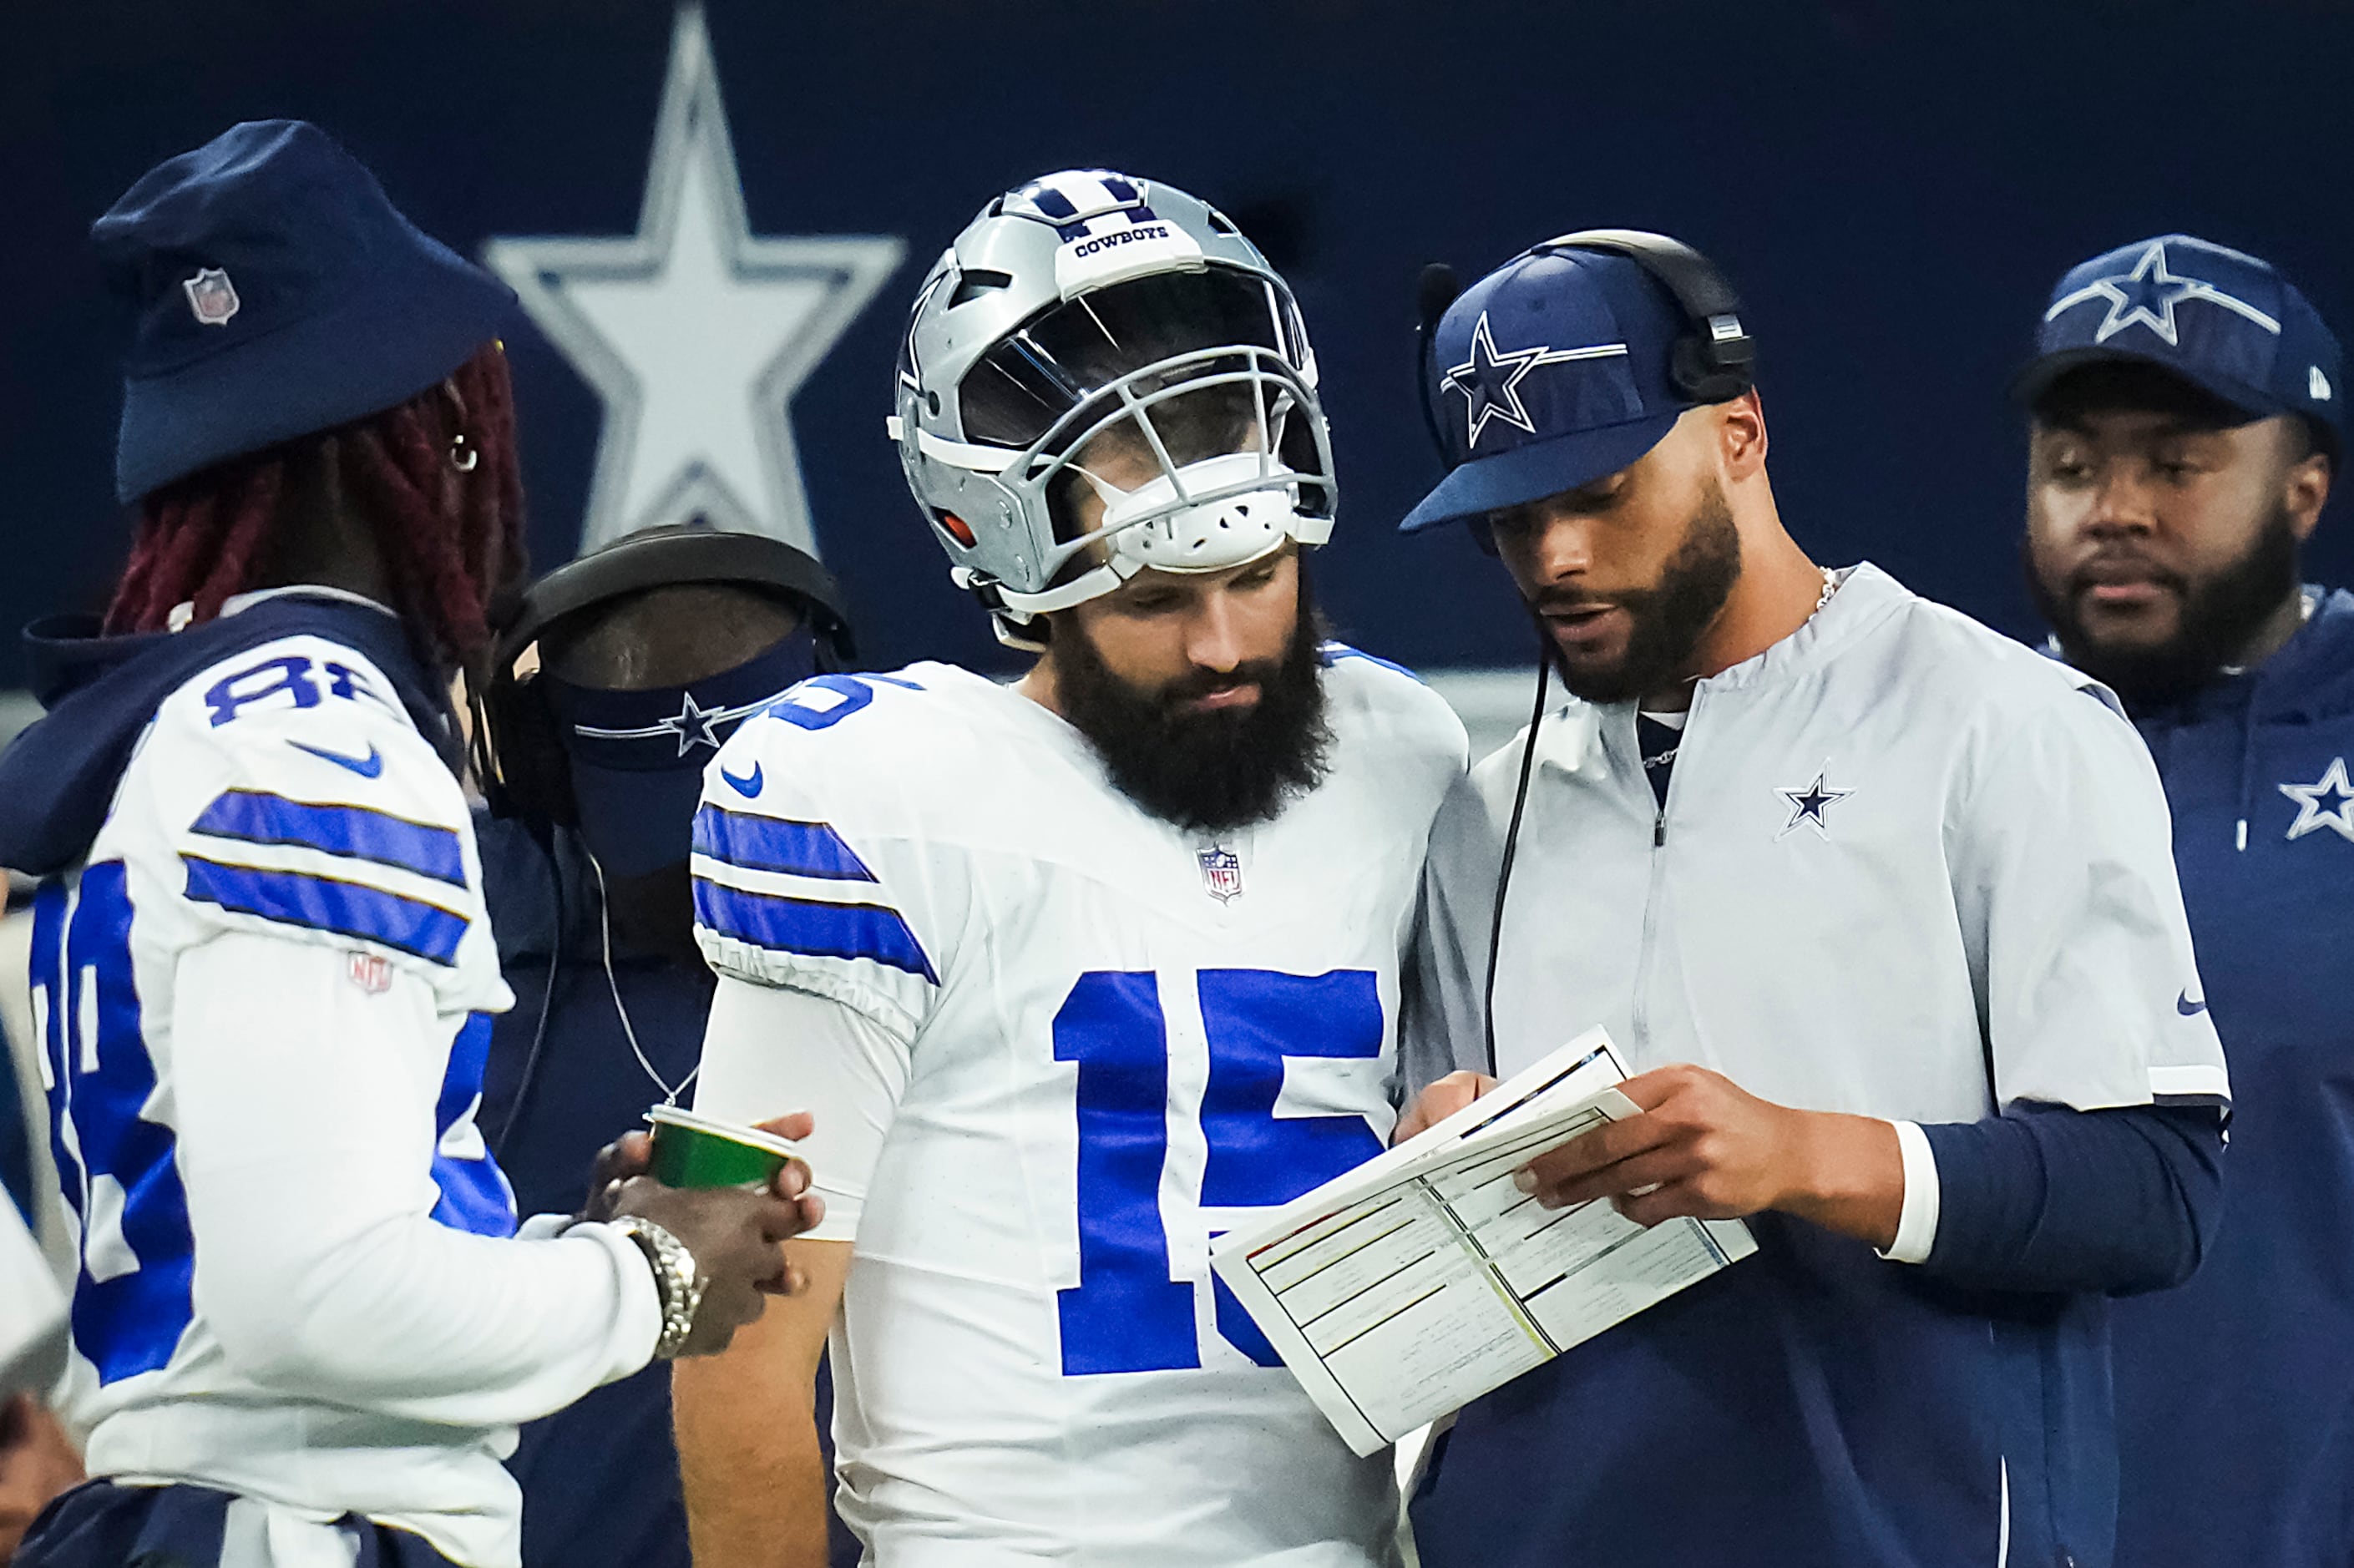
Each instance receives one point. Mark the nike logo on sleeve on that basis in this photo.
(748, 786)
(367, 766)
(2188, 1007)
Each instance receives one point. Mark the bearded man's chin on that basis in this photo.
(1209, 770)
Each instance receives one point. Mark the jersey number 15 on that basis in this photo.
(1127, 1314)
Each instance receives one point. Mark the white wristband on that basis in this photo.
(1916, 1223)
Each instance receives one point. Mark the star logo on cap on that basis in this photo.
(2146, 294)
(1489, 382)
(2311, 816)
(1808, 805)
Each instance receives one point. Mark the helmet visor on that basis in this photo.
(1070, 354)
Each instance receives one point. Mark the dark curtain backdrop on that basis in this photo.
(1894, 187)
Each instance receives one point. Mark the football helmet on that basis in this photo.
(1099, 376)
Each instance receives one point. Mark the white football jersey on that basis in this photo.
(263, 1003)
(1098, 1041)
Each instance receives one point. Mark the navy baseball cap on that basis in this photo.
(279, 292)
(1548, 373)
(2220, 319)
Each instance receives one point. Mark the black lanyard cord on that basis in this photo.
(1511, 846)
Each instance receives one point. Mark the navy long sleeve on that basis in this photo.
(2049, 1197)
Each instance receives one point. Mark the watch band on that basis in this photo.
(676, 1280)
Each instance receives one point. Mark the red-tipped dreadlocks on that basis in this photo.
(204, 538)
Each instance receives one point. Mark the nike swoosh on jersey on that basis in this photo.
(367, 766)
(2188, 1007)
(748, 786)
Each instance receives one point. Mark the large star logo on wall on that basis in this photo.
(694, 331)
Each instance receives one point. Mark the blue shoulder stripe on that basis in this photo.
(357, 831)
(1332, 654)
(328, 903)
(811, 927)
(777, 843)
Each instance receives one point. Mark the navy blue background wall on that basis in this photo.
(1893, 186)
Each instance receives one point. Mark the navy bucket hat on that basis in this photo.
(2224, 321)
(1549, 373)
(279, 292)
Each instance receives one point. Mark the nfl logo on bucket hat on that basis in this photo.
(1554, 370)
(279, 293)
(212, 296)
(2226, 322)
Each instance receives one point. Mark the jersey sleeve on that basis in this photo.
(322, 1264)
(819, 863)
(2064, 874)
(291, 795)
(1443, 1024)
(768, 1050)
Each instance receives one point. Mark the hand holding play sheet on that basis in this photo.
(1426, 1277)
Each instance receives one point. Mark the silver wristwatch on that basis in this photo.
(675, 1279)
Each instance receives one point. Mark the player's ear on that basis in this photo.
(1741, 435)
(2305, 490)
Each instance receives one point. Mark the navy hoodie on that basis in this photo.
(2235, 1393)
(58, 777)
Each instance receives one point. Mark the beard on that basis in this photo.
(1207, 772)
(2220, 615)
(1667, 619)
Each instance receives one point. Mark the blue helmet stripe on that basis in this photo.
(811, 927)
(328, 903)
(356, 832)
(777, 843)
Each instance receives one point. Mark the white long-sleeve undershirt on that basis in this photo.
(305, 1112)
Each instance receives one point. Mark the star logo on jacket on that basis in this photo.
(1222, 873)
(1808, 805)
(2147, 295)
(2328, 802)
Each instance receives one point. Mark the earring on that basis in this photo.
(463, 453)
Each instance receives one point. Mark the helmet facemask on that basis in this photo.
(1200, 463)
(1168, 420)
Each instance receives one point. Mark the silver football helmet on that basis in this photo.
(1100, 376)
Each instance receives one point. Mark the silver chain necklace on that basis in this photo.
(1830, 586)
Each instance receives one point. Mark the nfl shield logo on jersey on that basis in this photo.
(211, 297)
(1222, 875)
(370, 973)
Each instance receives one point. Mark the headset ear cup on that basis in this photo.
(548, 766)
(1692, 368)
(535, 774)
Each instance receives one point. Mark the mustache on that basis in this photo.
(2110, 564)
(1559, 601)
(1259, 672)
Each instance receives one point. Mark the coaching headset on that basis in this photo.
(1713, 360)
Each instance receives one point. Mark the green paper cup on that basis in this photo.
(692, 1150)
